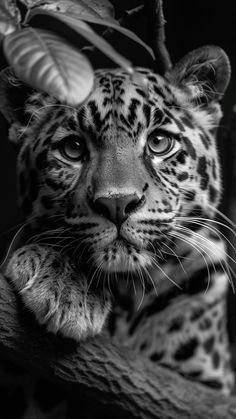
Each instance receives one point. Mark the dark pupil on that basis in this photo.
(157, 140)
(73, 148)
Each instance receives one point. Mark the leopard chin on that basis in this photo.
(121, 257)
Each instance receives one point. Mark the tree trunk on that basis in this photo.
(99, 367)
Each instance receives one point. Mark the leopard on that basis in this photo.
(120, 195)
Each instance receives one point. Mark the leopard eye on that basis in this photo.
(160, 144)
(72, 148)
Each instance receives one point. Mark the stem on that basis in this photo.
(156, 23)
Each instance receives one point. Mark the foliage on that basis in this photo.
(44, 43)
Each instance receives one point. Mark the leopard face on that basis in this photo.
(120, 172)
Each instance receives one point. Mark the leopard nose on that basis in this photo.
(118, 208)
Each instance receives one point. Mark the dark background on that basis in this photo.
(190, 24)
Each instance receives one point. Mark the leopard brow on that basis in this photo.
(59, 134)
(160, 130)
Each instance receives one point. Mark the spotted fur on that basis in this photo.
(126, 218)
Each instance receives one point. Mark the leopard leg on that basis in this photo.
(57, 295)
(191, 337)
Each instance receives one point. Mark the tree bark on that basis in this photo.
(99, 367)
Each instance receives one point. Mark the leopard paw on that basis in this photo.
(57, 295)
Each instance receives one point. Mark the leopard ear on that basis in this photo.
(204, 72)
(13, 97)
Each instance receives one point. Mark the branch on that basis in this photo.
(156, 25)
(134, 386)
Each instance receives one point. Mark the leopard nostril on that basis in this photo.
(101, 207)
(117, 208)
(132, 206)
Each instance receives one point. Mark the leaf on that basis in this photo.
(98, 8)
(33, 3)
(45, 61)
(84, 30)
(103, 7)
(75, 24)
(9, 17)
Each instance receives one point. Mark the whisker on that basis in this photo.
(196, 247)
(164, 273)
(134, 288)
(11, 245)
(177, 257)
(151, 279)
(91, 280)
(208, 254)
(209, 221)
(209, 241)
(140, 276)
(223, 216)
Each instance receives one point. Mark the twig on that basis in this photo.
(156, 25)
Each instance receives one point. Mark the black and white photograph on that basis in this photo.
(117, 209)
